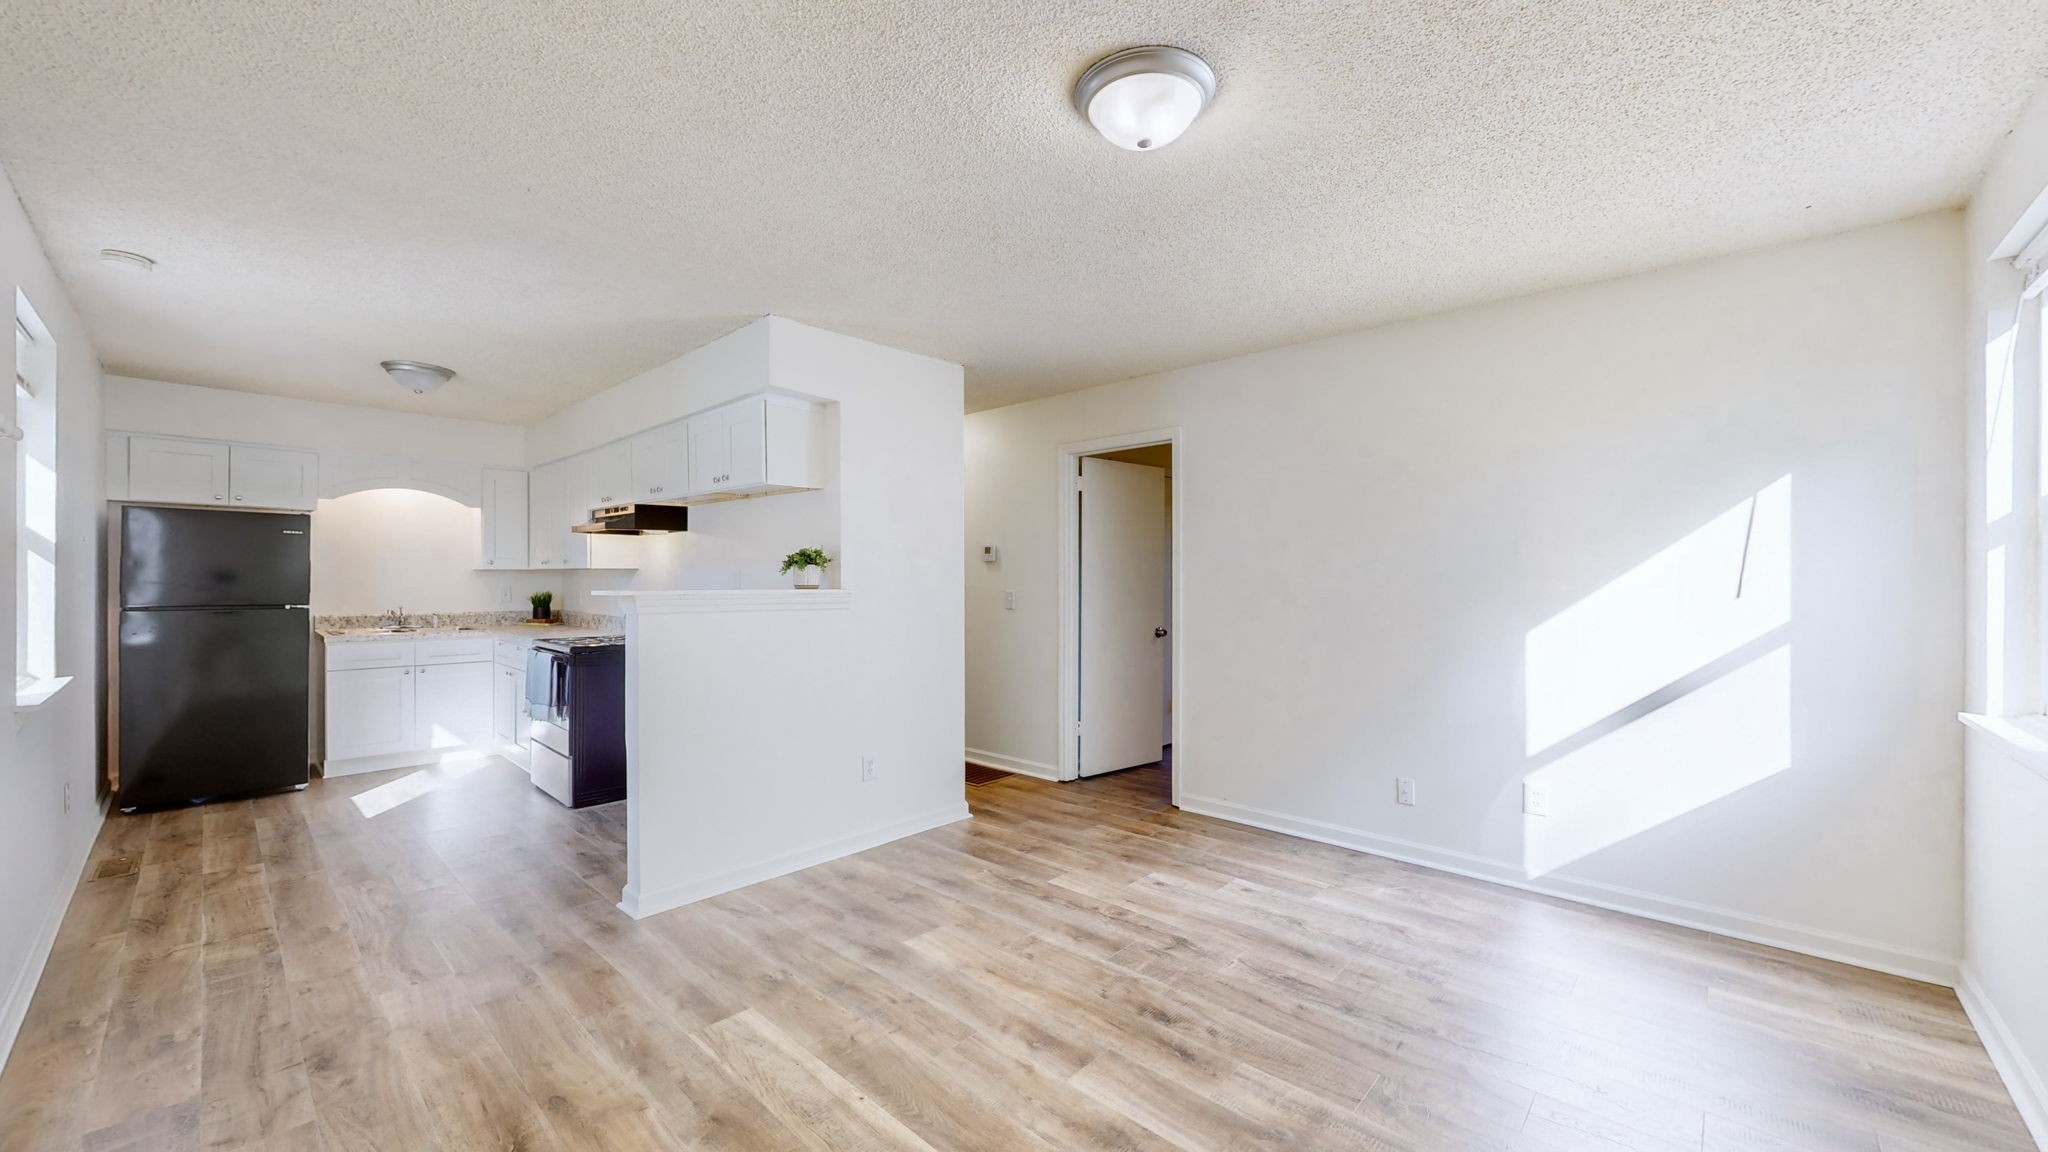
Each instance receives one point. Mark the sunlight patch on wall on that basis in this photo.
(1722, 586)
(1700, 748)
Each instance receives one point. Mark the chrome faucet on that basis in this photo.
(397, 616)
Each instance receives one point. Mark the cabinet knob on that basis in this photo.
(238, 497)
(219, 497)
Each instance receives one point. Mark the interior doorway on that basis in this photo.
(1119, 562)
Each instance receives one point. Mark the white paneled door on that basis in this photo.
(1124, 558)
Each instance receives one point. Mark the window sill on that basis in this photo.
(34, 695)
(2025, 738)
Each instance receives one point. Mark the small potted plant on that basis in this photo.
(543, 606)
(809, 564)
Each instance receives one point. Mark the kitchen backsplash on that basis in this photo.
(596, 621)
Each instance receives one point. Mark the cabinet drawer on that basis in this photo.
(370, 654)
(452, 650)
(511, 653)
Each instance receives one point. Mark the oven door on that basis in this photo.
(548, 699)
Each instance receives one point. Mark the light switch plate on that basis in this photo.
(1404, 791)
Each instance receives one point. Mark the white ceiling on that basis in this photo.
(550, 197)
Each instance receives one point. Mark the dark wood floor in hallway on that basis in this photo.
(433, 961)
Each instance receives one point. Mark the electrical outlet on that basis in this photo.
(867, 769)
(1535, 798)
(504, 597)
(1009, 600)
(1404, 791)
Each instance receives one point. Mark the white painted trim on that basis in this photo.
(475, 749)
(2023, 738)
(1817, 942)
(1070, 594)
(1002, 763)
(670, 603)
(2021, 1078)
(23, 988)
(640, 905)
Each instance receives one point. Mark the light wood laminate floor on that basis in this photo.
(1079, 967)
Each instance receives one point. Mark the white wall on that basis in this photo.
(167, 409)
(42, 847)
(758, 719)
(390, 547)
(2005, 933)
(1373, 524)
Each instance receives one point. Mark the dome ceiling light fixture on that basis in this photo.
(416, 377)
(1142, 99)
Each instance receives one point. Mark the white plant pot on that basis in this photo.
(807, 577)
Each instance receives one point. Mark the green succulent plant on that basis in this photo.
(806, 558)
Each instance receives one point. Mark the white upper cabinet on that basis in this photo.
(661, 462)
(547, 519)
(177, 471)
(273, 477)
(506, 519)
(164, 471)
(757, 445)
(600, 478)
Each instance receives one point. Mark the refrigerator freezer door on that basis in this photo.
(214, 558)
(213, 702)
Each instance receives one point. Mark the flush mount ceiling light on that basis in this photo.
(121, 258)
(417, 378)
(1142, 99)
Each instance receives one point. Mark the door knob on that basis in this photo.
(1158, 633)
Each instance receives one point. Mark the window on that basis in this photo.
(34, 442)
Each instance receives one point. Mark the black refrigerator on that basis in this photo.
(214, 645)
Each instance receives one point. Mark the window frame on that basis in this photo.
(32, 435)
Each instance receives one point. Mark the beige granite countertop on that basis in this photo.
(507, 631)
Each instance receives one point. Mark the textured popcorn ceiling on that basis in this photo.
(550, 197)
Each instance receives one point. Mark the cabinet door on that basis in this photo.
(746, 428)
(454, 705)
(709, 453)
(661, 462)
(370, 712)
(273, 477)
(600, 478)
(547, 522)
(504, 705)
(505, 519)
(177, 471)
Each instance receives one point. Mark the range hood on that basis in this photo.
(637, 520)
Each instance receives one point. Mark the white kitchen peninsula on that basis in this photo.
(752, 745)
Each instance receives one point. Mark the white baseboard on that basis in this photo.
(640, 905)
(1816, 942)
(2021, 1078)
(23, 988)
(1003, 763)
(412, 758)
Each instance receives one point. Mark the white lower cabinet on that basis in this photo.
(454, 705)
(399, 702)
(369, 712)
(508, 707)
